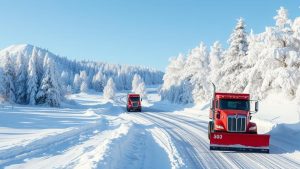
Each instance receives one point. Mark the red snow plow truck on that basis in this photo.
(230, 128)
(134, 102)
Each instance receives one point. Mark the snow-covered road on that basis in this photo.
(190, 139)
(162, 136)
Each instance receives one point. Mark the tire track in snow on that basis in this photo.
(280, 159)
(86, 154)
(202, 126)
(54, 144)
(193, 150)
(242, 159)
(230, 157)
(202, 148)
(174, 137)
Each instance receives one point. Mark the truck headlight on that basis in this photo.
(219, 127)
(252, 128)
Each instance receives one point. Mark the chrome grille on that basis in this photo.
(236, 123)
(135, 104)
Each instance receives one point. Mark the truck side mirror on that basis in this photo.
(256, 106)
(211, 104)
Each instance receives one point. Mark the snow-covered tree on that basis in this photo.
(196, 72)
(281, 18)
(49, 90)
(174, 72)
(238, 44)
(196, 62)
(77, 82)
(64, 78)
(255, 63)
(277, 59)
(32, 83)
(233, 61)
(9, 79)
(188, 73)
(179, 93)
(173, 81)
(296, 28)
(2, 85)
(69, 89)
(138, 85)
(141, 89)
(215, 57)
(109, 89)
(84, 86)
(98, 81)
(73, 73)
(21, 80)
(136, 81)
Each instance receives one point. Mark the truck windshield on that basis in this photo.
(235, 104)
(135, 99)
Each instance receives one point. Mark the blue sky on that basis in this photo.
(136, 32)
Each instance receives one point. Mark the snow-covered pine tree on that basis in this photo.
(84, 81)
(196, 61)
(176, 88)
(9, 79)
(180, 93)
(2, 85)
(296, 28)
(109, 89)
(138, 85)
(32, 83)
(282, 19)
(174, 72)
(84, 87)
(238, 44)
(69, 89)
(49, 90)
(234, 59)
(65, 78)
(278, 63)
(196, 72)
(98, 82)
(215, 56)
(136, 81)
(83, 76)
(21, 80)
(76, 82)
(141, 89)
(254, 52)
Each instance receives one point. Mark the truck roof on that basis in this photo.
(239, 96)
(133, 94)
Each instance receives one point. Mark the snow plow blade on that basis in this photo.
(258, 143)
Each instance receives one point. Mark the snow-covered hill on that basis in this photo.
(36, 76)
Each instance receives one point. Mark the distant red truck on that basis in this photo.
(134, 102)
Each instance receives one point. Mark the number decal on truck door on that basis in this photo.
(218, 136)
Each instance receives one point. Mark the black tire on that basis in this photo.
(253, 132)
(210, 129)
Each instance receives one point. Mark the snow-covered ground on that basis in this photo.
(92, 132)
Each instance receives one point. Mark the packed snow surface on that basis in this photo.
(93, 132)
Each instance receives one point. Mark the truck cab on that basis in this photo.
(134, 102)
(230, 112)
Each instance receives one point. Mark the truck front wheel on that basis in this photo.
(210, 128)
